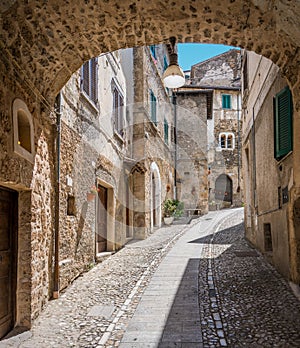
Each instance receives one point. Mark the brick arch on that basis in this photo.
(51, 40)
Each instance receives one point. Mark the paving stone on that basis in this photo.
(250, 304)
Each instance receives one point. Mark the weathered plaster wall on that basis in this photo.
(268, 174)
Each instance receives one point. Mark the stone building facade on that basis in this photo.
(92, 181)
(268, 161)
(94, 141)
(218, 81)
(152, 171)
(191, 149)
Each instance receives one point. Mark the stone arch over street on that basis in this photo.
(50, 41)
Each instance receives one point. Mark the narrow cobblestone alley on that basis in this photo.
(197, 285)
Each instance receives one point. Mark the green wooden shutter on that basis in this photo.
(166, 131)
(283, 115)
(153, 107)
(226, 101)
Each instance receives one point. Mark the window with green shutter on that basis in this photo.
(283, 123)
(153, 107)
(166, 131)
(226, 101)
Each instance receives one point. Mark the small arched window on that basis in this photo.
(226, 140)
(23, 130)
(223, 141)
(24, 138)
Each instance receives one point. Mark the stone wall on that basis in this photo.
(34, 183)
(192, 149)
(49, 41)
(91, 154)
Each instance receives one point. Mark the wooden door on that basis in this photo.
(8, 222)
(102, 219)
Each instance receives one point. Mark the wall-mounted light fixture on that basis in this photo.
(173, 77)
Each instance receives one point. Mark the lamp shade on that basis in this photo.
(173, 77)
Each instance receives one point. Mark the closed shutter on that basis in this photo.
(153, 107)
(166, 131)
(86, 77)
(93, 78)
(283, 123)
(89, 81)
(226, 101)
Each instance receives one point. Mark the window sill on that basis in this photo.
(119, 137)
(280, 160)
(94, 106)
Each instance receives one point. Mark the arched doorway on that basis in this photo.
(155, 197)
(223, 188)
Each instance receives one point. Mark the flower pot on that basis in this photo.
(168, 220)
(90, 196)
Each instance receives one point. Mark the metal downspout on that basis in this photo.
(57, 196)
(239, 145)
(174, 97)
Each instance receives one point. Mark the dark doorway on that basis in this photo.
(154, 200)
(223, 189)
(102, 219)
(8, 250)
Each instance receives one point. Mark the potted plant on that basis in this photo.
(92, 193)
(172, 208)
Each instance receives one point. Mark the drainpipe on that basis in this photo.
(254, 159)
(57, 194)
(174, 100)
(239, 146)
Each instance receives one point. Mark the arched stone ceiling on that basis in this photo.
(46, 41)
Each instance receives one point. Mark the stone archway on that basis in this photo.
(48, 41)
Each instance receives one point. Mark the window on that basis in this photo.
(118, 110)
(283, 123)
(71, 207)
(23, 130)
(153, 51)
(226, 101)
(226, 141)
(223, 141)
(268, 237)
(89, 80)
(166, 131)
(153, 107)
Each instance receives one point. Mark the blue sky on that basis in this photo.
(192, 53)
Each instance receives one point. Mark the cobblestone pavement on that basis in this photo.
(242, 301)
(94, 310)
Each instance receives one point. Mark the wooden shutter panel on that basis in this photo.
(93, 78)
(153, 107)
(86, 77)
(283, 123)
